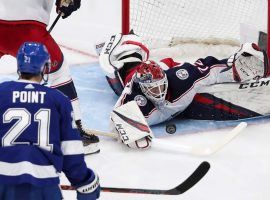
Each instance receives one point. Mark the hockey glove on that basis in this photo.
(90, 191)
(121, 49)
(118, 52)
(249, 62)
(67, 7)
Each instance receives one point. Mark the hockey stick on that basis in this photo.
(54, 22)
(202, 150)
(192, 180)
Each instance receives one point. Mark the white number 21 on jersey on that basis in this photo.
(42, 117)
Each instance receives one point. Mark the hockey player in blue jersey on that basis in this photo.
(166, 89)
(17, 27)
(39, 138)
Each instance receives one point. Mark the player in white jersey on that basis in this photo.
(166, 89)
(26, 20)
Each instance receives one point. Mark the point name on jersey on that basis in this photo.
(28, 96)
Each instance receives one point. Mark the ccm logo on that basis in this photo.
(122, 132)
(109, 46)
(254, 84)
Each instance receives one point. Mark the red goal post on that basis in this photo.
(182, 21)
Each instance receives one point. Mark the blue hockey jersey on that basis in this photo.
(38, 136)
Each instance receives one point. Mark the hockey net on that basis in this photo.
(193, 23)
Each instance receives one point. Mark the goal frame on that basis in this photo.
(126, 20)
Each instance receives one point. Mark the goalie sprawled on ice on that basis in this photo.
(165, 89)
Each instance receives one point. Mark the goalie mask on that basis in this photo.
(152, 81)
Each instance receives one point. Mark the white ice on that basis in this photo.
(240, 171)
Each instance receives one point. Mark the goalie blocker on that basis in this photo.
(131, 126)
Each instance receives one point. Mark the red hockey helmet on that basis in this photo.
(152, 80)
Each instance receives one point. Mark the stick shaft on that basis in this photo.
(197, 150)
(54, 22)
(229, 137)
(101, 133)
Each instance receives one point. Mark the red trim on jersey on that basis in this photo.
(58, 85)
(169, 62)
(22, 22)
(129, 75)
(203, 99)
(207, 101)
(228, 109)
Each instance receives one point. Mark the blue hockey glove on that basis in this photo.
(90, 191)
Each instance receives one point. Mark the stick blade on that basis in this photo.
(202, 150)
(192, 180)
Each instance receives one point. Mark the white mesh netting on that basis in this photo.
(168, 22)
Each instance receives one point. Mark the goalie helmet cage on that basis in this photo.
(164, 23)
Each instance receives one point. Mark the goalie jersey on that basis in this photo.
(38, 139)
(184, 98)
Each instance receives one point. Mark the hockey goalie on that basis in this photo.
(166, 89)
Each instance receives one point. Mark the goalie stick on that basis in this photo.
(192, 180)
(202, 150)
(197, 150)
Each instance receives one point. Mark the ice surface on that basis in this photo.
(240, 171)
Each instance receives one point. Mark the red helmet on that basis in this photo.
(152, 80)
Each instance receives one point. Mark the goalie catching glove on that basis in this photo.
(249, 62)
(130, 124)
(118, 51)
(67, 7)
